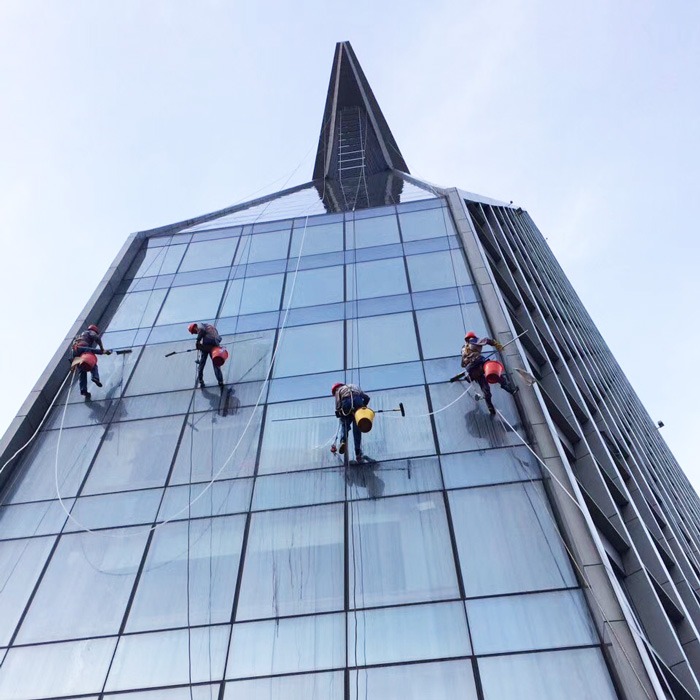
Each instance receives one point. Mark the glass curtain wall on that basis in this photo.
(166, 542)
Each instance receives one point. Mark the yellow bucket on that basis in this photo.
(363, 418)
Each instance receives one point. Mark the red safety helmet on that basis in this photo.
(335, 387)
(193, 328)
(470, 335)
(93, 327)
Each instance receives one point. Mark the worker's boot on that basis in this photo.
(202, 385)
(97, 381)
(359, 456)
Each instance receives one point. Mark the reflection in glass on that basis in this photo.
(299, 488)
(21, 562)
(440, 330)
(165, 597)
(92, 577)
(310, 686)
(400, 551)
(325, 238)
(408, 633)
(437, 270)
(294, 563)
(272, 646)
(508, 541)
(197, 302)
(168, 658)
(323, 285)
(533, 621)
(310, 349)
(579, 674)
(378, 278)
(156, 261)
(65, 669)
(205, 500)
(200, 255)
(30, 519)
(483, 467)
(134, 310)
(446, 680)
(381, 340)
(252, 295)
(379, 230)
(429, 223)
(115, 509)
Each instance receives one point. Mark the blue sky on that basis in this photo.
(125, 116)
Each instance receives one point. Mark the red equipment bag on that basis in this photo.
(219, 356)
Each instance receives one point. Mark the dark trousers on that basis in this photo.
(475, 372)
(347, 419)
(204, 353)
(82, 374)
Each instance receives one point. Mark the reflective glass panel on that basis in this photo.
(66, 669)
(508, 541)
(206, 499)
(134, 455)
(114, 509)
(381, 340)
(409, 633)
(217, 253)
(440, 329)
(189, 581)
(252, 295)
(379, 230)
(92, 576)
(300, 488)
(428, 223)
(156, 261)
(390, 478)
(310, 686)
(400, 551)
(21, 562)
(272, 646)
(262, 246)
(325, 238)
(133, 310)
(30, 519)
(446, 680)
(294, 563)
(168, 658)
(377, 278)
(323, 285)
(197, 302)
(437, 270)
(310, 349)
(579, 674)
(484, 467)
(533, 621)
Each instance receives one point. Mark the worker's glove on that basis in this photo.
(498, 346)
(107, 352)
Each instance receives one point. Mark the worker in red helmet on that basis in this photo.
(88, 341)
(349, 397)
(208, 338)
(473, 363)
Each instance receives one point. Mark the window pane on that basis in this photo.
(507, 540)
(92, 577)
(428, 223)
(310, 349)
(440, 330)
(489, 467)
(217, 446)
(156, 261)
(438, 681)
(31, 519)
(134, 310)
(375, 479)
(377, 278)
(209, 254)
(155, 372)
(115, 509)
(400, 551)
(205, 500)
(534, 621)
(437, 270)
(262, 246)
(579, 674)
(381, 340)
(466, 424)
(294, 563)
(408, 633)
(212, 555)
(272, 647)
(35, 478)
(299, 489)
(166, 658)
(252, 295)
(325, 238)
(134, 455)
(297, 443)
(378, 230)
(52, 670)
(197, 302)
(310, 686)
(21, 562)
(323, 285)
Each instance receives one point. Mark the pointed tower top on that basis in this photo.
(356, 143)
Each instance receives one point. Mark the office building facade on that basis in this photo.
(164, 541)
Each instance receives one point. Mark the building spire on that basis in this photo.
(357, 153)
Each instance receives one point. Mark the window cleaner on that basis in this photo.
(209, 345)
(86, 346)
(484, 371)
(349, 400)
